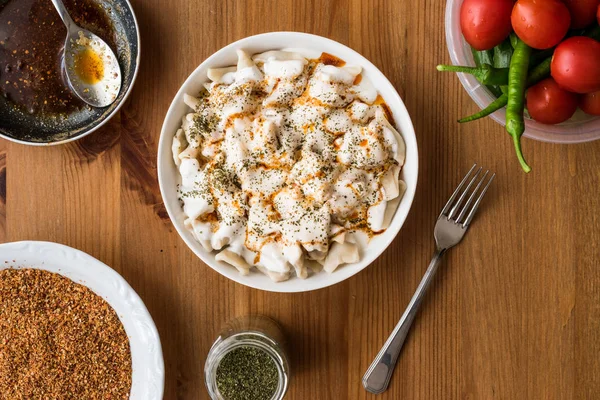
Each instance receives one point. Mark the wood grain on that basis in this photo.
(515, 311)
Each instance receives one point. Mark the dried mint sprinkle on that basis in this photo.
(247, 373)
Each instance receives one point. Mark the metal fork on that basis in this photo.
(450, 228)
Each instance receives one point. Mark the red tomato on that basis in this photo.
(485, 23)
(540, 24)
(590, 103)
(576, 65)
(598, 14)
(582, 12)
(549, 104)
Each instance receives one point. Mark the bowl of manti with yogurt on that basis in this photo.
(287, 169)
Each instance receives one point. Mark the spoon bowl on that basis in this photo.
(90, 66)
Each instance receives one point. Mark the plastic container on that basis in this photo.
(580, 128)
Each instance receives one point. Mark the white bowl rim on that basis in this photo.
(146, 351)
(343, 272)
(112, 113)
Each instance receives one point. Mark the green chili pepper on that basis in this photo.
(495, 90)
(491, 108)
(486, 74)
(499, 76)
(542, 71)
(537, 74)
(482, 57)
(517, 83)
(514, 40)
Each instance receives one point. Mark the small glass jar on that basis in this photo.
(253, 331)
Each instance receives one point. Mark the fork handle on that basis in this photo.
(377, 377)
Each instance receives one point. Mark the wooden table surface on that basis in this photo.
(515, 310)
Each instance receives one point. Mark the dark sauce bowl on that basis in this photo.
(18, 125)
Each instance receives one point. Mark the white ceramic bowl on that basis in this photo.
(581, 128)
(146, 353)
(168, 175)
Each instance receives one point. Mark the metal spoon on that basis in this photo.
(89, 64)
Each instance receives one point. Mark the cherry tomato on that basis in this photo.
(576, 64)
(590, 103)
(582, 12)
(549, 104)
(485, 23)
(598, 14)
(541, 24)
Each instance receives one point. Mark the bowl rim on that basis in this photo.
(558, 134)
(148, 373)
(408, 134)
(112, 113)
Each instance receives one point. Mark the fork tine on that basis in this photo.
(457, 191)
(474, 209)
(471, 198)
(464, 194)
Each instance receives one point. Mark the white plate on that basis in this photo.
(168, 176)
(146, 352)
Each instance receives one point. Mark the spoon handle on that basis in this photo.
(64, 14)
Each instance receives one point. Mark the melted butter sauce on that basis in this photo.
(329, 59)
(89, 66)
(388, 113)
(31, 44)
